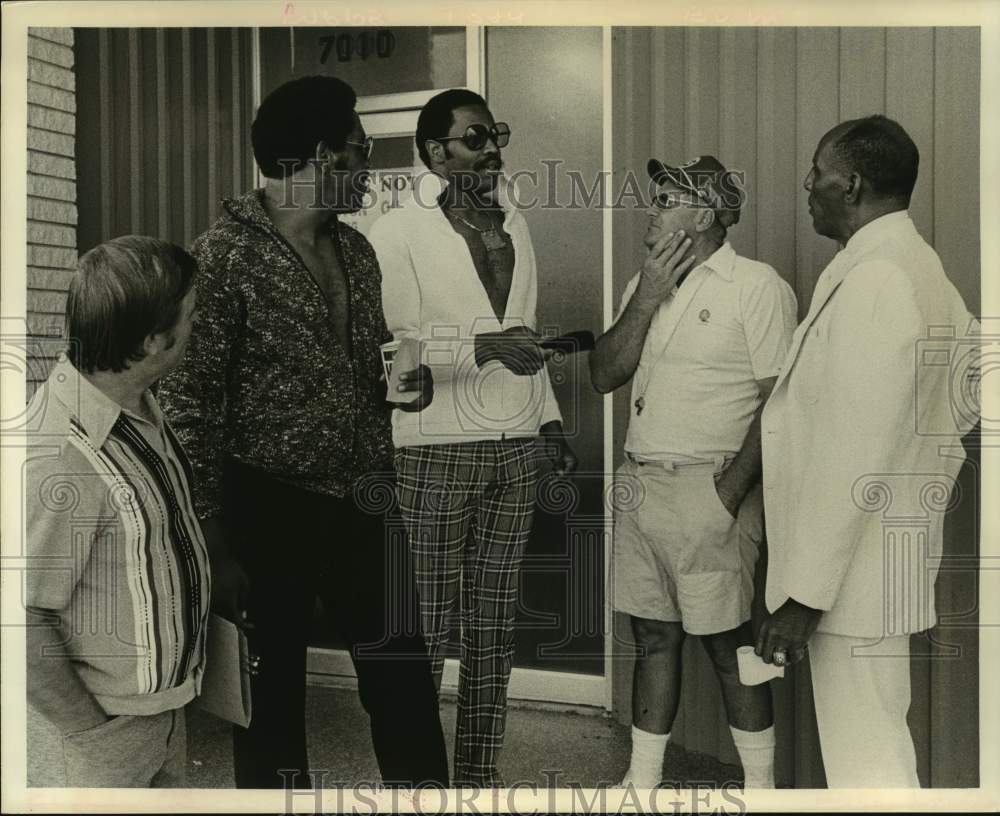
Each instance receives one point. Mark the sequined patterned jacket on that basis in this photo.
(265, 379)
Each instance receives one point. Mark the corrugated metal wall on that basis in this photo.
(52, 211)
(760, 99)
(162, 133)
(165, 131)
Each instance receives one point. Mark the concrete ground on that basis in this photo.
(550, 746)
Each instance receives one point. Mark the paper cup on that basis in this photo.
(753, 670)
(406, 358)
(388, 354)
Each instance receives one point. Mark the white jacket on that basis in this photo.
(861, 436)
(431, 291)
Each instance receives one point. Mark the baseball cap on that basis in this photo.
(708, 179)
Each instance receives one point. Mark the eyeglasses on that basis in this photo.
(672, 200)
(367, 146)
(476, 136)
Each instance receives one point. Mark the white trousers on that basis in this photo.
(861, 687)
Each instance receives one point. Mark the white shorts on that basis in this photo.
(678, 553)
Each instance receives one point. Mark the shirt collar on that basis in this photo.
(875, 231)
(722, 262)
(249, 209)
(96, 412)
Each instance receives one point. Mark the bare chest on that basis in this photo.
(330, 277)
(492, 252)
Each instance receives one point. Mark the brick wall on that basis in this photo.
(52, 212)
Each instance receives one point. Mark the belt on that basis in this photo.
(718, 463)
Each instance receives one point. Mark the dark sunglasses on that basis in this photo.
(367, 146)
(476, 136)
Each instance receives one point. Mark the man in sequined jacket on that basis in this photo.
(282, 407)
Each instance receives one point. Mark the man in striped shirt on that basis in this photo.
(118, 580)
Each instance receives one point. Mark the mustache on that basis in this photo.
(492, 161)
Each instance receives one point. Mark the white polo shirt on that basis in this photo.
(729, 325)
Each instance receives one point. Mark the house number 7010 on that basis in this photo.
(366, 44)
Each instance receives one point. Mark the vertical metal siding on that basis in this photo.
(170, 136)
(955, 168)
(136, 128)
(162, 130)
(760, 99)
(738, 115)
(818, 89)
(213, 116)
(777, 175)
(187, 141)
(909, 84)
(105, 192)
(239, 82)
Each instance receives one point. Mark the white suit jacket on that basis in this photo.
(430, 290)
(861, 435)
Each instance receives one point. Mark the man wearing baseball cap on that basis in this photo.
(701, 333)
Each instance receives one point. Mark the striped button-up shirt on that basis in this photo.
(114, 547)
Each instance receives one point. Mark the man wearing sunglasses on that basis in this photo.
(458, 272)
(701, 333)
(282, 410)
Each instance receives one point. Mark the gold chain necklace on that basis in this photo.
(491, 237)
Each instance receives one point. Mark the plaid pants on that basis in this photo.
(468, 509)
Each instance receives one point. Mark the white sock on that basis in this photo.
(646, 768)
(756, 750)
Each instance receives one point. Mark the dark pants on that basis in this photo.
(296, 545)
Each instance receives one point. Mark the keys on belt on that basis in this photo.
(719, 463)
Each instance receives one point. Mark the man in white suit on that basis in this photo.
(856, 422)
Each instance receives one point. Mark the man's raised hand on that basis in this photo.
(664, 265)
